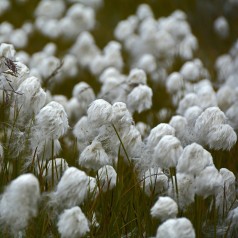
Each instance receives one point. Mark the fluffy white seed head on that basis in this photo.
(180, 124)
(73, 223)
(157, 133)
(221, 137)
(231, 114)
(50, 9)
(143, 11)
(167, 152)
(147, 62)
(186, 190)
(107, 177)
(154, 181)
(190, 99)
(176, 228)
(140, 99)
(210, 117)
(50, 123)
(226, 96)
(94, 156)
(221, 27)
(31, 99)
(174, 83)
(190, 71)
(120, 114)
(99, 112)
(7, 50)
(137, 76)
(194, 159)
(19, 202)
(165, 208)
(85, 49)
(71, 189)
(208, 182)
(84, 93)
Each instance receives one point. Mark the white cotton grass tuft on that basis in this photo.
(31, 98)
(137, 76)
(167, 152)
(1, 152)
(19, 203)
(84, 94)
(107, 177)
(194, 159)
(180, 125)
(176, 228)
(221, 27)
(189, 100)
(71, 190)
(186, 190)
(164, 208)
(208, 182)
(121, 115)
(154, 181)
(50, 124)
(140, 99)
(221, 137)
(226, 194)
(99, 113)
(94, 156)
(7, 51)
(73, 223)
(226, 96)
(157, 133)
(211, 129)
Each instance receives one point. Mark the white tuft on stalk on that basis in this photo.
(73, 223)
(107, 177)
(176, 228)
(19, 203)
(164, 208)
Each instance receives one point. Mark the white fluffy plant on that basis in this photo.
(73, 223)
(212, 130)
(71, 190)
(49, 125)
(19, 203)
(164, 208)
(107, 177)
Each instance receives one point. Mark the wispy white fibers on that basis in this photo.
(221, 137)
(167, 152)
(194, 159)
(94, 156)
(73, 223)
(186, 190)
(99, 112)
(30, 100)
(164, 208)
(211, 126)
(190, 99)
(226, 194)
(1, 152)
(84, 93)
(50, 124)
(226, 96)
(154, 181)
(180, 124)
(140, 99)
(208, 182)
(137, 76)
(176, 228)
(84, 133)
(157, 133)
(84, 49)
(233, 220)
(72, 188)
(19, 203)
(107, 177)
